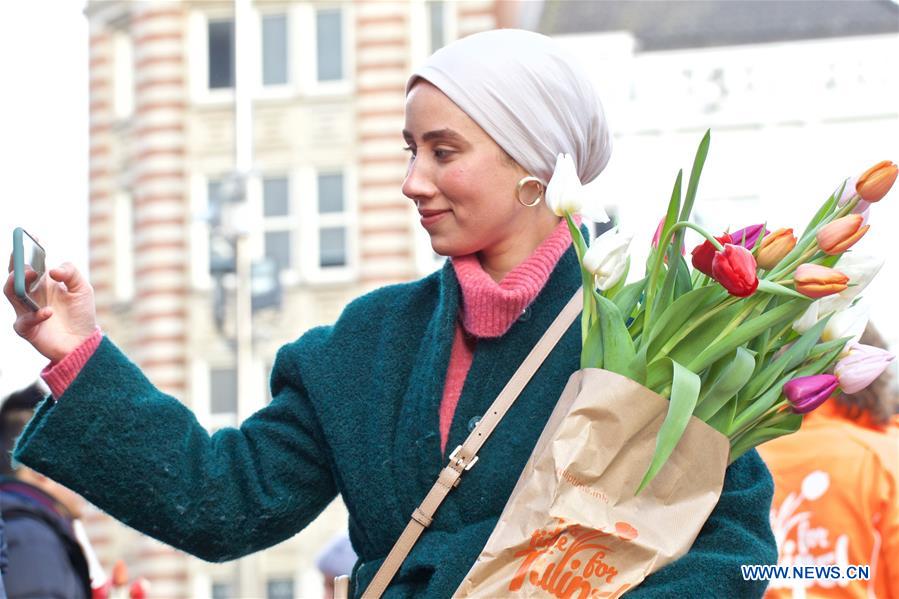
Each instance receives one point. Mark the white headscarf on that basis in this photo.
(528, 94)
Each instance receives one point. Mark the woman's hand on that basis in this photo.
(68, 317)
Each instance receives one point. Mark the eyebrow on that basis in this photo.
(441, 134)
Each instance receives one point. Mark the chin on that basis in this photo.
(450, 248)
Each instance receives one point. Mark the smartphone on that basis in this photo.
(28, 254)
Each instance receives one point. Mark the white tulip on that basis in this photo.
(860, 269)
(566, 195)
(850, 322)
(607, 258)
(808, 318)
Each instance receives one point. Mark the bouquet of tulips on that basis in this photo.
(681, 373)
(747, 340)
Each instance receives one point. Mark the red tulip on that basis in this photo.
(705, 251)
(735, 269)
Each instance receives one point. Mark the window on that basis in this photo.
(222, 590)
(277, 248)
(332, 233)
(222, 391)
(123, 73)
(221, 53)
(437, 24)
(221, 252)
(279, 588)
(274, 49)
(278, 224)
(329, 44)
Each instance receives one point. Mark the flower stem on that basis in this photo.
(657, 264)
(684, 332)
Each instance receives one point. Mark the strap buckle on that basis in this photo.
(460, 462)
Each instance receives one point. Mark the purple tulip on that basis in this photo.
(748, 236)
(859, 369)
(806, 393)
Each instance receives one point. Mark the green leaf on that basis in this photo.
(825, 209)
(698, 340)
(787, 361)
(654, 264)
(733, 375)
(822, 363)
(592, 352)
(751, 411)
(682, 283)
(746, 331)
(636, 370)
(775, 289)
(763, 434)
(684, 392)
(698, 162)
(627, 298)
(827, 347)
(616, 341)
(722, 420)
(675, 317)
(636, 327)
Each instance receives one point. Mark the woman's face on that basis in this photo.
(461, 181)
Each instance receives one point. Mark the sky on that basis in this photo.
(43, 148)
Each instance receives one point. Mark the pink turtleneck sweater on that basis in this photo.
(488, 309)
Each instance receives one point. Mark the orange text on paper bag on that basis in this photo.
(555, 549)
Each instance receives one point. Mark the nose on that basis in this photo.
(418, 184)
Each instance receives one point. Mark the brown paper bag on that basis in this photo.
(572, 526)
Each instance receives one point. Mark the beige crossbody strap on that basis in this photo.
(465, 456)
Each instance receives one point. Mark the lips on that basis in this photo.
(427, 213)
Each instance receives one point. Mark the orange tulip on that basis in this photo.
(814, 280)
(876, 181)
(840, 235)
(774, 247)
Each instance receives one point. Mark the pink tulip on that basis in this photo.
(859, 369)
(806, 393)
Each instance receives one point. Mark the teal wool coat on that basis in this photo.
(355, 412)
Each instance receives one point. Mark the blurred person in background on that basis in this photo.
(836, 497)
(45, 557)
(337, 558)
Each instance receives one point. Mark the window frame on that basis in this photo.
(312, 221)
(308, 47)
(302, 76)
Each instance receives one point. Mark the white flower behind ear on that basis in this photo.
(607, 258)
(566, 195)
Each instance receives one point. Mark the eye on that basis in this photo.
(441, 154)
(411, 150)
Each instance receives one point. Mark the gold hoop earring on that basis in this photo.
(524, 181)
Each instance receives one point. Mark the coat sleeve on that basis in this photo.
(737, 532)
(141, 455)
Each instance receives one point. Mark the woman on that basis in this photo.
(369, 406)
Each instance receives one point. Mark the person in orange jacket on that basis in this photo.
(836, 497)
